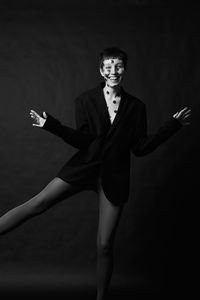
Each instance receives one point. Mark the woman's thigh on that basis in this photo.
(109, 216)
(57, 190)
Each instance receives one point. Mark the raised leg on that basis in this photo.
(109, 216)
(57, 190)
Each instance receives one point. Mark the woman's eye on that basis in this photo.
(118, 67)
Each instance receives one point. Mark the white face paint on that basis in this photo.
(112, 71)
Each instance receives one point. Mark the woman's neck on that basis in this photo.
(112, 91)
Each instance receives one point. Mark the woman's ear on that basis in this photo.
(101, 72)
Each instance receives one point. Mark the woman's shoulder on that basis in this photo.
(134, 100)
(96, 92)
(87, 94)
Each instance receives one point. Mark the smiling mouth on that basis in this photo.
(114, 78)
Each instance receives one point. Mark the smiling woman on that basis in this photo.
(110, 124)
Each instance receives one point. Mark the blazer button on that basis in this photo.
(115, 111)
(114, 101)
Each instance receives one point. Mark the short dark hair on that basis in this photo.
(113, 52)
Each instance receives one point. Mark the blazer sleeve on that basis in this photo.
(79, 138)
(143, 144)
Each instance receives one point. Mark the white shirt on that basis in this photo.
(112, 105)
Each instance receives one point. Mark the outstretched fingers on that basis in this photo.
(39, 121)
(183, 116)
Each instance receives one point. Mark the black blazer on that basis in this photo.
(105, 148)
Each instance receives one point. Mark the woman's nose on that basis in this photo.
(113, 70)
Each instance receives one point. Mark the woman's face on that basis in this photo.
(112, 71)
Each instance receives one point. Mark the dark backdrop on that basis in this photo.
(48, 56)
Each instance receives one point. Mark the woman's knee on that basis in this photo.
(56, 191)
(104, 247)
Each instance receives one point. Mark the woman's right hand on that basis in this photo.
(39, 121)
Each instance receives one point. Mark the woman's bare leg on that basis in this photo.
(109, 216)
(56, 191)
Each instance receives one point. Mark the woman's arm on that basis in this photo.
(78, 138)
(143, 144)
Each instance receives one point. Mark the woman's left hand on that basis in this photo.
(183, 115)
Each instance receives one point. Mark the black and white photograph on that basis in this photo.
(99, 149)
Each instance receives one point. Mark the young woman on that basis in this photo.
(110, 124)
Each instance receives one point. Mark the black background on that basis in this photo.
(48, 56)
